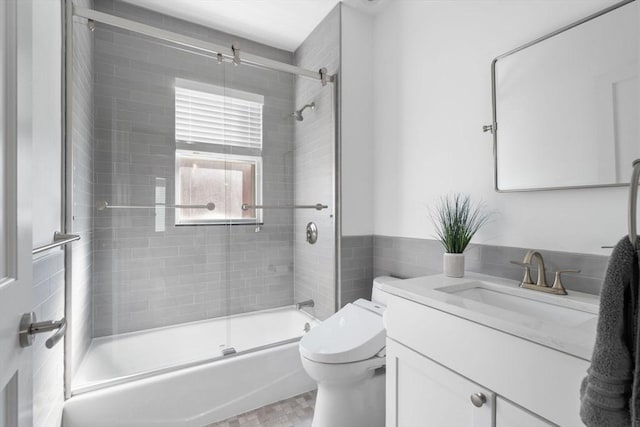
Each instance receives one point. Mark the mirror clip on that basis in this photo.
(488, 128)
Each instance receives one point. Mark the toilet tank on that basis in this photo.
(377, 295)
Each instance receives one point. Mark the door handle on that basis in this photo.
(29, 327)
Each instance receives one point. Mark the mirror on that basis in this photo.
(565, 106)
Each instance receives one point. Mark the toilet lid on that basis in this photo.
(350, 335)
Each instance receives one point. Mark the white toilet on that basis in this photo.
(345, 355)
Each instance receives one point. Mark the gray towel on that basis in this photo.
(609, 393)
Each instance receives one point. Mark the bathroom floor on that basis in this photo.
(297, 411)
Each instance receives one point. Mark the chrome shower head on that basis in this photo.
(298, 113)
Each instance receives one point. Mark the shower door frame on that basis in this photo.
(231, 54)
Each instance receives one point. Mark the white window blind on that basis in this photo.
(215, 115)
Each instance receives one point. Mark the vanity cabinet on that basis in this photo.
(437, 361)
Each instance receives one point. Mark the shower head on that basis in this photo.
(298, 113)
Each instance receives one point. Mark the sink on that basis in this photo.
(518, 302)
(565, 323)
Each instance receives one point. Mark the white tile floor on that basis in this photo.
(296, 411)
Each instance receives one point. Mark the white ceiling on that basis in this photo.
(280, 23)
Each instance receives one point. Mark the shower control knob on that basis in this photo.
(478, 399)
(312, 233)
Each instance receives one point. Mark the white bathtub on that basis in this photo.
(157, 378)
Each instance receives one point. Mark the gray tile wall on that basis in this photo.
(356, 268)
(405, 257)
(366, 257)
(169, 23)
(145, 278)
(48, 364)
(314, 166)
(80, 317)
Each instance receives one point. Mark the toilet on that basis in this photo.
(345, 355)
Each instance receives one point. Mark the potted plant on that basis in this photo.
(456, 221)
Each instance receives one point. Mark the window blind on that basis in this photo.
(215, 115)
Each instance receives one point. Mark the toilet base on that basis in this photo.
(358, 404)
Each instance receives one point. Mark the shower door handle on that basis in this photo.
(29, 327)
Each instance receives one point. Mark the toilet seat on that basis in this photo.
(353, 334)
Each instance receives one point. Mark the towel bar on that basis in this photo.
(317, 206)
(102, 205)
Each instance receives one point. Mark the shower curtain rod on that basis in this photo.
(231, 53)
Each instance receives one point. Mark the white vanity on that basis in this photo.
(481, 351)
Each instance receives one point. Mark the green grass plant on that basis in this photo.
(457, 220)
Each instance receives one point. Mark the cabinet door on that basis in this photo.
(422, 393)
(509, 415)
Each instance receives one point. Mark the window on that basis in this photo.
(210, 123)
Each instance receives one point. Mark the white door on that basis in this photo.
(509, 414)
(422, 393)
(15, 206)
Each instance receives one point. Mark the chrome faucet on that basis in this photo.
(307, 303)
(541, 282)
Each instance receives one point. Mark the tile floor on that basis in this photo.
(297, 411)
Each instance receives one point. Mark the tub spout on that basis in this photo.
(307, 303)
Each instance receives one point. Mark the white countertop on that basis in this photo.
(576, 340)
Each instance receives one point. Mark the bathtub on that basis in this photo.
(177, 376)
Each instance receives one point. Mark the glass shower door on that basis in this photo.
(187, 175)
(272, 266)
(154, 267)
(261, 248)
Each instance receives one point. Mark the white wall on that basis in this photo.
(48, 267)
(357, 122)
(47, 111)
(432, 96)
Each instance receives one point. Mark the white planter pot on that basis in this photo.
(453, 265)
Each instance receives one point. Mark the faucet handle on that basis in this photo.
(527, 271)
(557, 282)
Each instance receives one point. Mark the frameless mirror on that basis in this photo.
(565, 106)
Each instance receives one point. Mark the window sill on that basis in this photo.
(229, 222)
